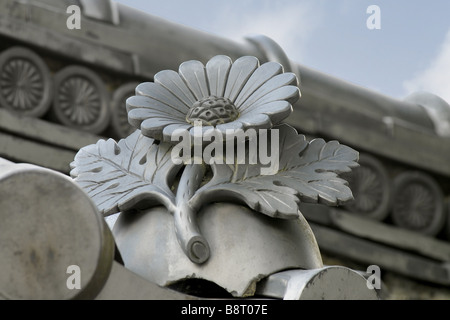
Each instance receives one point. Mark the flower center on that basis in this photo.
(212, 111)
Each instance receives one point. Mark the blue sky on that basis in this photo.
(410, 52)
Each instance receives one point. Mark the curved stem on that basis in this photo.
(188, 233)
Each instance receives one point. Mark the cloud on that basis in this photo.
(290, 24)
(436, 78)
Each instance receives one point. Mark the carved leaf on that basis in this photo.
(307, 172)
(134, 172)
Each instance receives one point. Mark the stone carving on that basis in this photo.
(371, 188)
(119, 121)
(25, 83)
(417, 206)
(80, 99)
(53, 254)
(254, 97)
(76, 256)
(139, 172)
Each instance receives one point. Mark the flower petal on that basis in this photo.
(259, 77)
(240, 72)
(142, 102)
(161, 94)
(276, 110)
(168, 131)
(194, 75)
(255, 121)
(287, 93)
(141, 114)
(154, 127)
(273, 84)
(217, 70)
(173, 82)
(199, 131)
(136, 116)
(233, 125)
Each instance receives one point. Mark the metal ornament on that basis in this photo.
(138, 172)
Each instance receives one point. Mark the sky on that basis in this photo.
(409, 52)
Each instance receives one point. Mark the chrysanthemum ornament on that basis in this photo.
(138, 176)
(220, 96)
